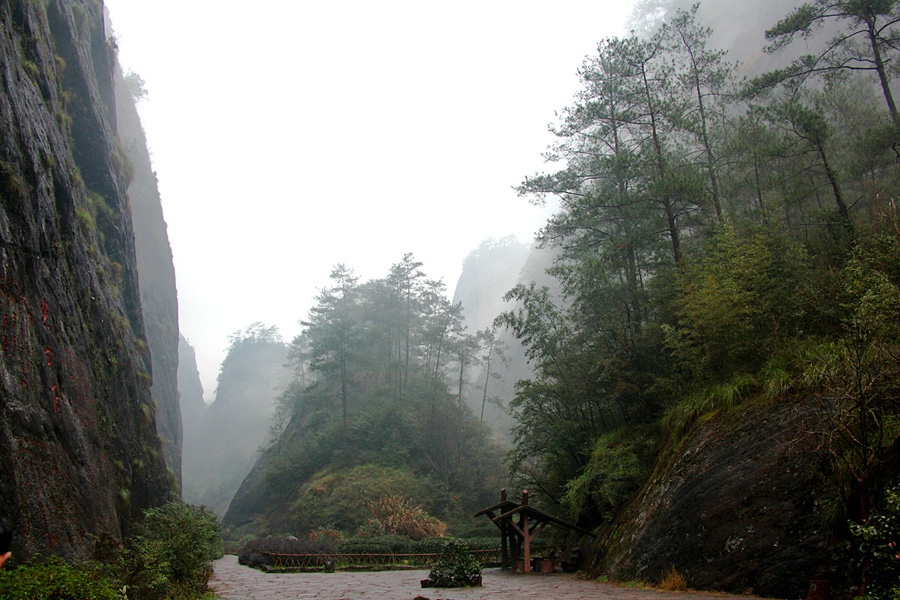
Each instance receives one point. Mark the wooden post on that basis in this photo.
(504, 540)
(526, 542)
(516, 546)
(526, 539)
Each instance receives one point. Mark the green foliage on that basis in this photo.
(326, 535)
(616, 469)
(256, 333)
(372, 413)
(879, 547)
(170, 558)
(714, 250)
(456, 566)
(719, 396)
(173, 551)
(344, 497)
(85, 218)
(136, 86)
(54, 579)
(738, 301)
(380, 544)
(255, 552)
(34, 72)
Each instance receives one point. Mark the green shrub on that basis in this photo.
(255, 552)
(173, 551)
(430, 545)
(328, 536)
(382, 544)
(371, 528)
(170, 558)
(456, 567)
(343, 497)
(616, 469)
(53, 579)
(483, 543)
(879, 544)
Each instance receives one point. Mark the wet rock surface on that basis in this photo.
(735, 510)
(156, 271)
(79, 454)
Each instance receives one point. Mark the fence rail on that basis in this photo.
(313, 561)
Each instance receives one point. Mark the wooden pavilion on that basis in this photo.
(519, 524)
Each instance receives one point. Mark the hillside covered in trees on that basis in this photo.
(377, 409)
(729, 251)
(713, 370)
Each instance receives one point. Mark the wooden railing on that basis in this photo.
(314, 561)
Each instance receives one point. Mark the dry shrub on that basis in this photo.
(398, 517)
(673, 581)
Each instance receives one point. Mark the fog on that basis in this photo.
(288, 137)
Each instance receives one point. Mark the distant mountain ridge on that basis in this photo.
(225, 442)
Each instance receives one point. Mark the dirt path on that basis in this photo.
(234, 582)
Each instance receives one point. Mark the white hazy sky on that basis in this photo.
(290, 136)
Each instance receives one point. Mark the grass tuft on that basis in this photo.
(673, 581)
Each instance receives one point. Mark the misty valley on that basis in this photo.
(688, 380)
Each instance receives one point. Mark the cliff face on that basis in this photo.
(234, 427)
(190, 390)
(734, 509)
(156, 271)
(78, 445)
(488, 273)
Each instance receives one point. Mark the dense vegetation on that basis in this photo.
(377, 411)
(168, 558)
(719, 241)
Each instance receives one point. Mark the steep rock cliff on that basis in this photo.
(78, 445)
(732, 508)
(488, 273)
(156, 271)
(190, 390)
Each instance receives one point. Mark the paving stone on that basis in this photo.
(235, 582)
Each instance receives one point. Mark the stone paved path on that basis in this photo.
(234, 582)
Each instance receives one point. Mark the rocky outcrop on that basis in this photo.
(488, 273)
(732, 510)
(156, 271)
(78, 444)
(190, 390)
(236, 425)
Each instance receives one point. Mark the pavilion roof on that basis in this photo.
(539, 516)
(503, 506)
